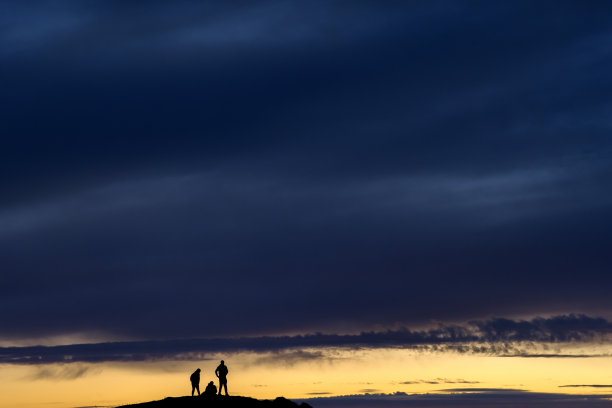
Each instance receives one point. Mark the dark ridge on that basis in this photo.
(221, 402)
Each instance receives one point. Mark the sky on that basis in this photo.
(304, 189)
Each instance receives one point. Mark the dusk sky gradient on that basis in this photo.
(178, 172)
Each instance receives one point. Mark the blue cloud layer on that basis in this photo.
(280, 167)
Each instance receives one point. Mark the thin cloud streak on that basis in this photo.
(439, 381)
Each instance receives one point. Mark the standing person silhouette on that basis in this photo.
(195, 381)
(221, 373)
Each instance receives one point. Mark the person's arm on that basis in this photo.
(217, 372)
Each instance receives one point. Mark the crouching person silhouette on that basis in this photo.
(195, 381)
(221, 373)
(211, 390)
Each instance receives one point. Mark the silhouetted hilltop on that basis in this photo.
(220, 402)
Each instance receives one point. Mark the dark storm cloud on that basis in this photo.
(558, 328)
(289, 168)
(289, 350)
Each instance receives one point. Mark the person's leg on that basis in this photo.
(225, 385)
(220, 385)
(198, 388)
(192, 388)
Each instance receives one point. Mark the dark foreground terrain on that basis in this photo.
(220, 402)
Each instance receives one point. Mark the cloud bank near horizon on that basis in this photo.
(495, 337)
(478, 397)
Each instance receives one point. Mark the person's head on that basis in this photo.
(211, 383)
(198, 370)
(222, 362)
